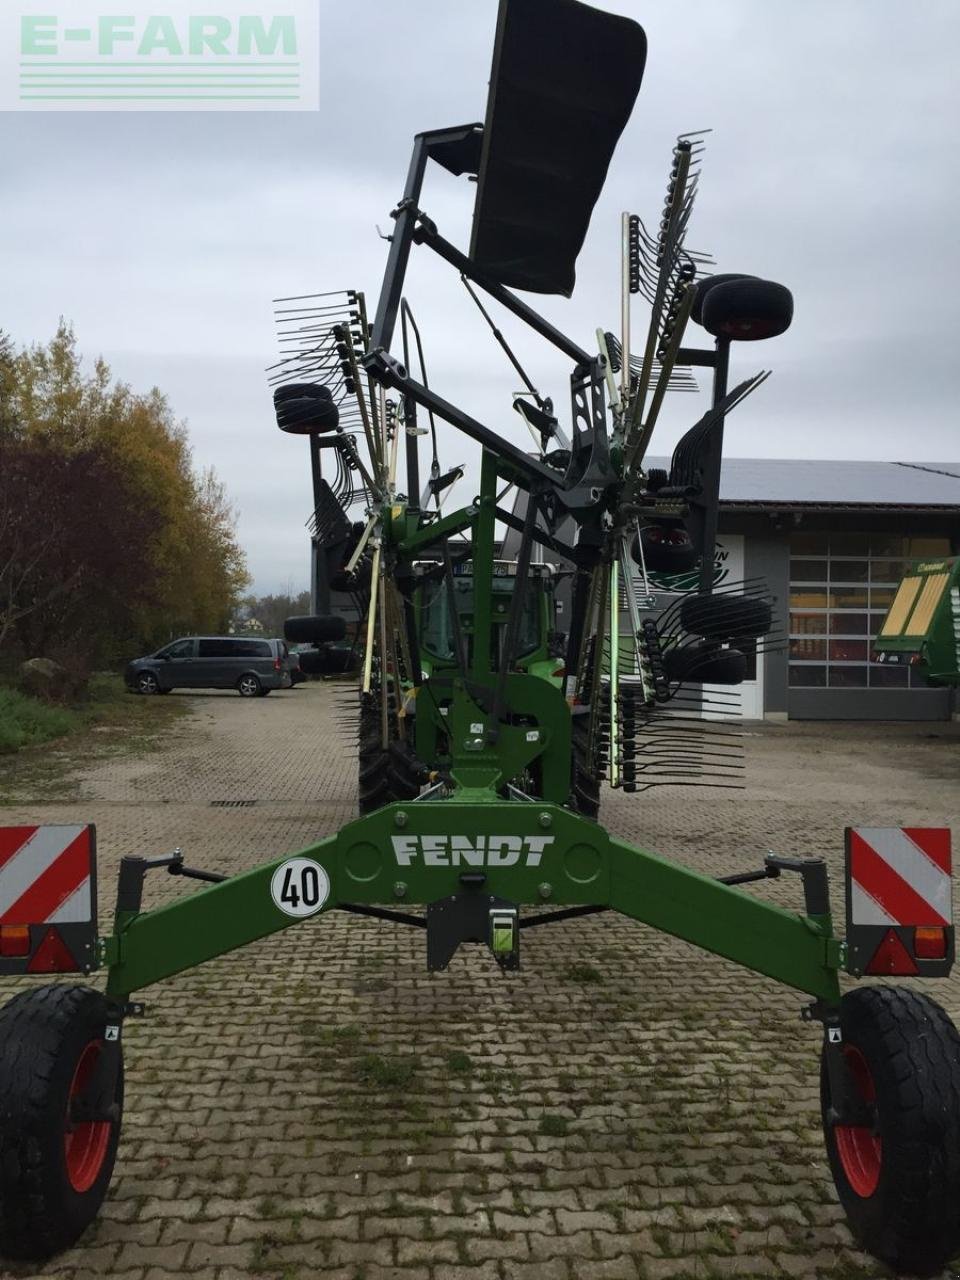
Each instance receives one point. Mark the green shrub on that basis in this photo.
(25, 722)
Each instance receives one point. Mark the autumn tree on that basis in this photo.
(109, 538)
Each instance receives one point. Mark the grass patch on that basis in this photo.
(458, 1062)
(386, 1073)
(553, 1125)
(584, 973)
(42, 745)
(25, 722)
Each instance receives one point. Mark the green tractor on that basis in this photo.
(483, 734)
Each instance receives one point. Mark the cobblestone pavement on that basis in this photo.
(625, 1107)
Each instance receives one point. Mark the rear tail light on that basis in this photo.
(930, 943)
(276, 664)
(52, 956)
(14, 940)
(892, 957)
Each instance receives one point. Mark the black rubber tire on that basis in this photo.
(305, 408)
(319, 629)
(43, 1035)
(584, 780)
(726, 617)
(254, 689)
(662, 556)
(381, 778)
(748, 310)
(706, 287)
(911, 1221)
(146, 676)
(704, 664)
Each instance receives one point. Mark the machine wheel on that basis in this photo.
(584, 780)
(705, 664)
(249, 686)
(148, 683)
(707, 285)
(54, 1171)
(747, 310)
(899, 1179)
(723, 617)
(382, 778)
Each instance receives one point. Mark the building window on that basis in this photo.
(841, 585)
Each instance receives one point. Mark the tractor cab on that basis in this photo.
(539, 647)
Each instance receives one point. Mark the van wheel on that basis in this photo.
(249, 687)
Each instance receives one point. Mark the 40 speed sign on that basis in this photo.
(299, 887)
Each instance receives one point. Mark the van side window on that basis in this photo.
(217, 648)
(182, 649)
(252, 648)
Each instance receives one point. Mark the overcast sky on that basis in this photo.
(832, 168)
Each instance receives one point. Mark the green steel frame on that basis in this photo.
(527, 853)
(532, 854)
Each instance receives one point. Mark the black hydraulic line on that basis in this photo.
(711, 468)
(517, 605)
(411, 442)
(427, 234)
(383, 913)
(413, 640)
(503, 343)
(410, 411)
(552, 917)
(458, 643)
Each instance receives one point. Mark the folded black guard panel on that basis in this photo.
(564, 80)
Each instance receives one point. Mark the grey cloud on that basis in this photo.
(832, 167)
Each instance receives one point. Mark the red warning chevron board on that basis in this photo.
(900, 876)
(46, 875)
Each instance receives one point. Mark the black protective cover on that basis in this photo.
(564, 80)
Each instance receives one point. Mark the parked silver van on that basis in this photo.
(252, 666)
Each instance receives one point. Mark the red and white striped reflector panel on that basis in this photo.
(45, 875)
(900, 876)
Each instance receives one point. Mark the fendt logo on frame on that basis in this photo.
(159, 55)
(470, 851)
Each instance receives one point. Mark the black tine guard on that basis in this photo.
(316, 629)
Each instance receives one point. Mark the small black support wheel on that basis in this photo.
(705, 663)
(747, 310)
(706, 286)
(898, 1177)
(148, 683)
(248, 686)
(584, 780)
(726, 617)
(56, 1151)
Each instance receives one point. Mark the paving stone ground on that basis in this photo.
(623, 1108)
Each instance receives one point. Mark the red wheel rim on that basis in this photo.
(858, 1146)
(85, 1144)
